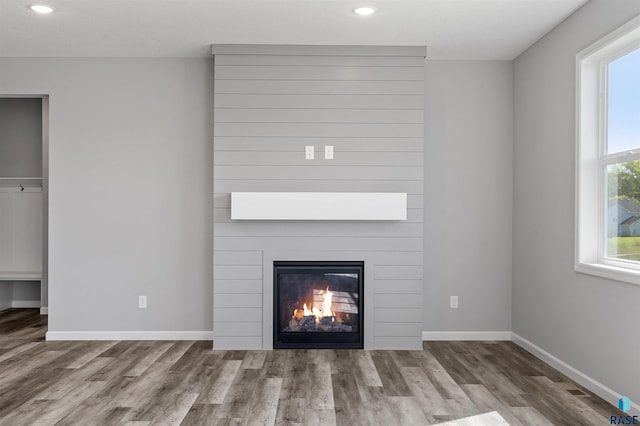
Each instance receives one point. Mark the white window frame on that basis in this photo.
(591, 157)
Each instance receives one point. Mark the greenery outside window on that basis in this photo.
(608, 156)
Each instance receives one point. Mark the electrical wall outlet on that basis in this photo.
(328, 152)
(309, 152)
(142, 302)
(454, 302)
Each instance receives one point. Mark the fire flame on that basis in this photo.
(325, 311)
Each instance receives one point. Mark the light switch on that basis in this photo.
(328, 152)
(309, 152)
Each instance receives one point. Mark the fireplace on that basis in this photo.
(318, 305)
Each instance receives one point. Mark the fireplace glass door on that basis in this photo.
(318, 305)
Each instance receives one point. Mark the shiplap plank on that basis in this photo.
(415, 201)
(237, 342)
(315, 173)
(355, 144)
(383, 300)
(223, 314)
(338, 102)
(224, 329)
(262, 158)
(396, 286)
(315, 73)
(398, 272)
(320, 243)
(238, 286)
(321, 61)
(327, 115)
(320, 87)
(310, 229)
(327, 184)
(393, 258)
(398, 314)
(398, 329)
(237, 258)
(389, 129)
(223, 215)
(397, 343)
(230, 300)
(244, 272)
(222, 200)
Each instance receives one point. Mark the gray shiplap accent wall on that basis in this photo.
(272, 101)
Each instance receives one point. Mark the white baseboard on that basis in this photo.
(466, 335)
(25, 304)
(129, 335)
(576, 375)
(44, 311)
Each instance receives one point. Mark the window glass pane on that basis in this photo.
(623, 109)
(623, 211)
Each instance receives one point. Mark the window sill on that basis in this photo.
(626, 275)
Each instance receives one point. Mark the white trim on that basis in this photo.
(611, 41)
(319, 206)
(576, 375)
(626, 275)
(591, 205)
(25, 303)
(44, 311)
(129, 335)
(466, 335)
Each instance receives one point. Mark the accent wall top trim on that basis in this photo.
(304, 50)
(348, 206)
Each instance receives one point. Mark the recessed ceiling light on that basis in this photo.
(364, 11)
(40, 8)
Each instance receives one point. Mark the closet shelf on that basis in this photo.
(20, 276)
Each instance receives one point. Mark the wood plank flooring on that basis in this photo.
(185, 382)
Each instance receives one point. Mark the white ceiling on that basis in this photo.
(453, 29)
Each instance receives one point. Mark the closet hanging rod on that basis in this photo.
(19, 178)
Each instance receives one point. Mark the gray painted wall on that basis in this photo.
(370, 108)
(130, 189)
(20, 291)
(588, 322)
(20, 137)
(26, 290)
(90, 135)
(468, 195)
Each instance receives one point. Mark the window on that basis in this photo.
(608, 156)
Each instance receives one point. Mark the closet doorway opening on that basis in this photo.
(24, 161)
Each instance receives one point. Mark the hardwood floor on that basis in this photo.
(185, 382)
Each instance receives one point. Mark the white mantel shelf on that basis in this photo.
(346, 206)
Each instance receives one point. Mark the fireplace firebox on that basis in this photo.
(318, 305)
